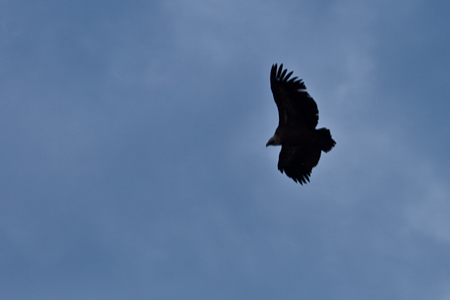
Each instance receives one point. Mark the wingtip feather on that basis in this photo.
(280, 69)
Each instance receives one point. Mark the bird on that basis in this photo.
(301, 143)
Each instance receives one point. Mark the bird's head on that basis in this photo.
(274, 141)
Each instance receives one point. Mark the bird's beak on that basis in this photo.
(270, 142)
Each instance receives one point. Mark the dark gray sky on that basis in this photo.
(133, 162)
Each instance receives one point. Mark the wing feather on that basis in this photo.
(297, 161)
(294, 103)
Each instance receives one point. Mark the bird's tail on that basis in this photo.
(325, 141)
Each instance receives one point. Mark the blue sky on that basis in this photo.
(133, 158)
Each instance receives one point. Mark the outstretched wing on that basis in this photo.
(297, 161)
(294, 103)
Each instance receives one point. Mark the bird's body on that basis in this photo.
(301, 143)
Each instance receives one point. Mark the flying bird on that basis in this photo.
(301, 143)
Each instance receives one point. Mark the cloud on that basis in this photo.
(428, 208)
